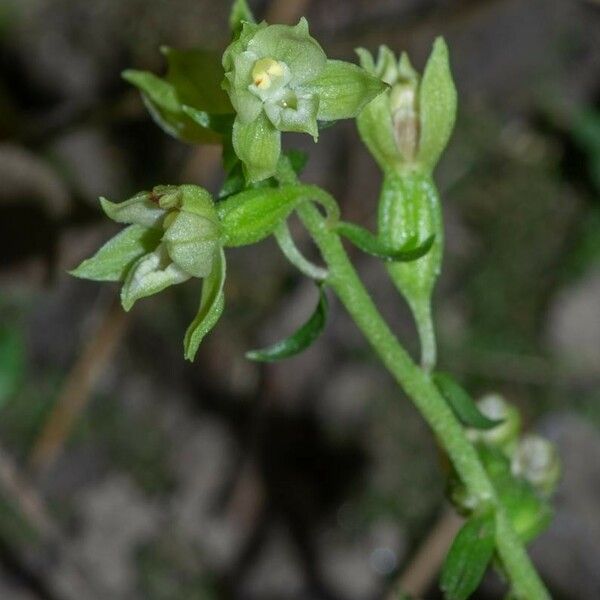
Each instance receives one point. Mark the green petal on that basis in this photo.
(292, 45)
(139, 210)
(343, 90)
(246, 104)
(197, 200)
(437, 105)
(366, 60)
(114, 259)
(191, 241)
(302, 118)
(258, 145)
(151, 274)
(211, 307)
(387, 68)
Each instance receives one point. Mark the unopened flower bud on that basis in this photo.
(536, 460)
(505, 435)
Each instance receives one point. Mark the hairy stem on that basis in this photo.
(418, 386)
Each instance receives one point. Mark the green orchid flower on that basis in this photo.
(173, 234)
(279, 79)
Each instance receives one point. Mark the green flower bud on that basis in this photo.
(536, 461)
(504, 436)
(410, 125)
(279, 79)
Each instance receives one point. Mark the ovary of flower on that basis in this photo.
(264, 71)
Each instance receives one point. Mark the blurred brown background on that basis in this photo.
(127, 473)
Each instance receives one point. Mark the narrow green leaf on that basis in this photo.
(115, 258)
(300, 340)
(254, 214)
(193, 80)
(240, 13)
(164, 107)
(196, 75)
(211, 307)
(462, 404)
(469, 557)
(343, 89)
(437, 105)
(258, 145)
(371, 244)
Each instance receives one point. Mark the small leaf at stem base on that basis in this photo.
(300, 340)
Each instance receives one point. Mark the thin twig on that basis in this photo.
(76, 391)
(421, 571)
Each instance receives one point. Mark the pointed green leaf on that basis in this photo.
(300, 340)
(149, 275)
(343, 90)
(462, 404)
(212, 303)
(254, 214)
(164, 107)
(139, 210)
(196, 75)
(469, 557)
(114, 259)
(371, 244)
(258, 145)
(193, 80)
(437, 106)
(240, 13)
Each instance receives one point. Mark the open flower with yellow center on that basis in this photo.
(279, 79)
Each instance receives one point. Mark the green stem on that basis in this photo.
(418, 386)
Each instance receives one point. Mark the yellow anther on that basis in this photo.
(264, 71)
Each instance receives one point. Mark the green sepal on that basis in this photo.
(191, 241)
(437, 106)
(343, 90)
(298, 341)
(114, 259)
(292, 45)
(254, 214)
(469, 556)
(149, 275)
(139, 210)
(376, 131)
(239, 14)
(461, 403)
(258, 145)
(212, 302)
(371, 244)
